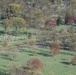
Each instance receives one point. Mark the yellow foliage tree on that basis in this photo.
(18, 23)
(13, 9)
(14, 22)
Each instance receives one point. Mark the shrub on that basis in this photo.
(12, 68)
(12, 54)
(21, 72)
(33, 53)
(13, 9)
(15, 69)
(59, 21)
(50, 23)
(31, 41)
(34, 64)
(69, 20)
(18, 23)
(54, 49)
(7, 23)
(5, 44)
(74, 60)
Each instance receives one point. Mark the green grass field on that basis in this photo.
(52, 65)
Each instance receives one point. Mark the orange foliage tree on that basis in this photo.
(54, 49)
(34, 66)
(34, 63)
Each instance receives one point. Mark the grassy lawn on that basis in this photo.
(55, 65)
(52, 64)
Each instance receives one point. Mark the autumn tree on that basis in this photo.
(13, 19)
(54, 49)
(34, 66)
(13, 10)
(73, 60)
(69, 18)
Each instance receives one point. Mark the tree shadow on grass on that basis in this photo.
(44, 54)
(6, 57)
(32, 54)
(66, 63)
(23, 50)
(65, 53)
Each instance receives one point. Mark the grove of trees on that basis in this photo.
(38, 11)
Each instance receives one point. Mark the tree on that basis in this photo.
(71, 30)
(13, 10)
(3, 6)
(59, 20)
(72, 7)
(54, 49)
(13, 17)
(14, 22)
(69, 19)
(34, 66)
(72, 43)
(18, 23)
(50, 24)
(39, 19)
(73, 60)
(7, 24)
